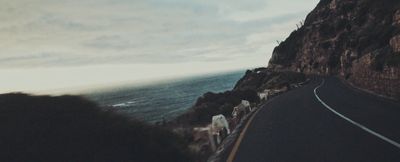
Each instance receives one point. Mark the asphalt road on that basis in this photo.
(296, 126)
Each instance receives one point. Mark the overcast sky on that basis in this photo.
(57, 44)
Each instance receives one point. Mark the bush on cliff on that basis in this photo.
(70, 128)
(211, 104)
(261, 79)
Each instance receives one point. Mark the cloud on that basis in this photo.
(50, 45)
(91, 32)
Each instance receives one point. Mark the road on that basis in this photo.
(334, 124)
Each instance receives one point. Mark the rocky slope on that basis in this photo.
(356, 39)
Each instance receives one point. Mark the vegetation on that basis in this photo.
(286, 51)
(261, 79)
(70, 128)
(394, 60)
(211, 104)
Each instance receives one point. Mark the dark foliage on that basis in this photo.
(286, 51)
(267, 79)
(323, 3)
(211, 104)
(246, 88)
(70, 128)
(331, 29)
(334, 60)
(394, 60)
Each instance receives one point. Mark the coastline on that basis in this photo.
(163, 102)
(192, 124)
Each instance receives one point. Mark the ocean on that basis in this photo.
(163, 101)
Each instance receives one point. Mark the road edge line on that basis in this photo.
(235, 148)
(388, 140)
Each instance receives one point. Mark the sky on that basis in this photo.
(57, 46)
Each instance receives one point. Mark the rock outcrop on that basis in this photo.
(349, 38)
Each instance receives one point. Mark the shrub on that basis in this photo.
(70, 128)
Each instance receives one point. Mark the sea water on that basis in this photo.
(163, 101)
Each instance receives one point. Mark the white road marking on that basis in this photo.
(394, 143)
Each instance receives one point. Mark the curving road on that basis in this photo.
(323, 121)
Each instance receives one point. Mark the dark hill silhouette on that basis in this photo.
(71, 128)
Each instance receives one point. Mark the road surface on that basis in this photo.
(334, 123)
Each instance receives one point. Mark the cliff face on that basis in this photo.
(356, 39)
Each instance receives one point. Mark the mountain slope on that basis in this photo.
(357, 39)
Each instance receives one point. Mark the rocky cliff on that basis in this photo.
(356, 39)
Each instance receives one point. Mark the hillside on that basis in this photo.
(356, 39)
(70, 128)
